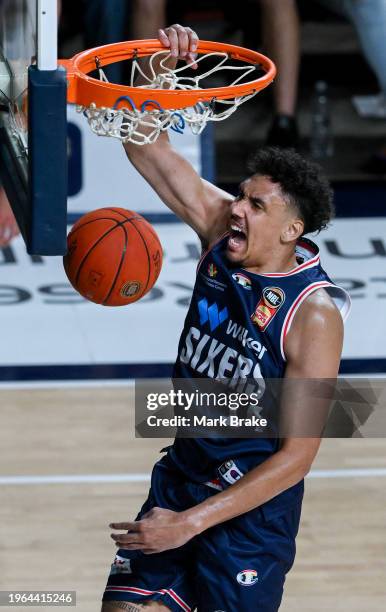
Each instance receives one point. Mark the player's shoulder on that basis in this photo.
(314, 342)
(320, 301)
(319, 312)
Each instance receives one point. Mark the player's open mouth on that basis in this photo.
(237, 238)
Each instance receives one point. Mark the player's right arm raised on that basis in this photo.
(199, 203)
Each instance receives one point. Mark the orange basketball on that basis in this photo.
(114, 256)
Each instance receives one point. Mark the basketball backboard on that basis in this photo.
(33, 148)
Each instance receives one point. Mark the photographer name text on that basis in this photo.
(204, 421)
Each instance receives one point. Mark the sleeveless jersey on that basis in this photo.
(235, 328)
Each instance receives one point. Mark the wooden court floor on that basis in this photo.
(55, 536)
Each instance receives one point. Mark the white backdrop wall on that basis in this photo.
(45, 322)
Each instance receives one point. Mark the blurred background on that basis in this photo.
(337, 44)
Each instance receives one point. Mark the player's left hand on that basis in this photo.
(158, 530)
(182, 42)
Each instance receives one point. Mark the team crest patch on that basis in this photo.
(212, 270)
(242, 280)
(247, 577)
(270, 302)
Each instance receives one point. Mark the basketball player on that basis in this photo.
(217, 532)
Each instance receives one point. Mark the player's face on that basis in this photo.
(260, 216)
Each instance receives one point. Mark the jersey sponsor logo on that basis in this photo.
(242, 334)
(242, 280)
(270, 302)
(212, 270)
(211, 314)
(213, 359)
(247, 577)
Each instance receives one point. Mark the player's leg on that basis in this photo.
(147, 17)
(242, 564)
(161, 579)
(369, 20)
(104, 23)
(281, 42)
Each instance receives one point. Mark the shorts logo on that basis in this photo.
(270, 302)
(131, 288)
(242, 280)
(230, 472)
(121, 565)
(212, 270)
(247, 577)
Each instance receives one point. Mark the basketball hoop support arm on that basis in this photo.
(47, 122)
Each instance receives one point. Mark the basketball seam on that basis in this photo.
(120, 265)
(91, 249)
(118, 212)
(117, 224)
(150, 228)
(74, 230)
(148, 256)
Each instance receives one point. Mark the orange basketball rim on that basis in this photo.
(85, 90)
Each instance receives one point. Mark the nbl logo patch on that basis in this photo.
(270, 302)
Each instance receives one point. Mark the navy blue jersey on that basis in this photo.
(235, 329)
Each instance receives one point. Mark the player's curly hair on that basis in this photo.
(301, 180)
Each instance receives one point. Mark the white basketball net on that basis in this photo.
(144, 125)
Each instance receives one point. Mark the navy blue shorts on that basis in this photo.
(237, 566)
